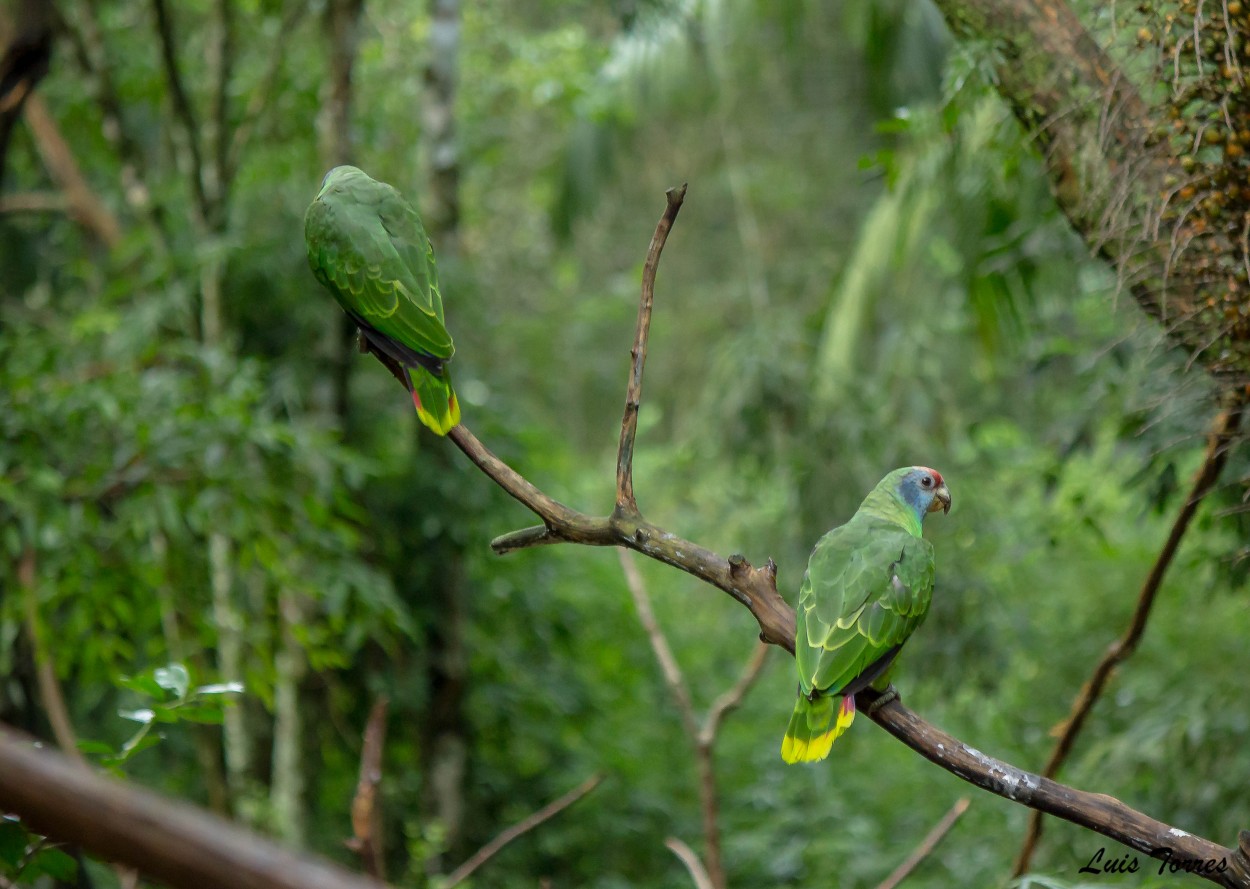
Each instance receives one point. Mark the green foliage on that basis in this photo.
(818, 321)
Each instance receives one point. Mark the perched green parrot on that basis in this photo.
(367, 246)
(867, 587)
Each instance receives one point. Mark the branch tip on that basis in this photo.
(626, 504)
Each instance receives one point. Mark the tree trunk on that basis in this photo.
(1148, 161)
(444, 743)
(342, 31)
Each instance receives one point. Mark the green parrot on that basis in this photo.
(367, 246)
(867, 587)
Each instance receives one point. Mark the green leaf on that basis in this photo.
(13, 842)
(220, 688)
(209, 715)
(174, 677)
(143, 716)
(145, 685)
(55, 864)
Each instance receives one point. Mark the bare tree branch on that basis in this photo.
(927, 845)
(366, 813)
(178, 95)
(92, 56)
(80, 201)
(169, 841)
(730, 700)
(702, 738)
(688, 857)
(217, 133)
(1220, 443)
(45, 669)
(626, 505)
(756, 588)
(547, 812)
(659, 645)
(34, 202)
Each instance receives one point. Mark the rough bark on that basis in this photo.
(167, 841)
(1147, 160)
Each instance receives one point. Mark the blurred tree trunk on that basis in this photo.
(342, 32)
(286, 790)
(444, 742)
(24, 62)
(439, 118)
(1145, 147)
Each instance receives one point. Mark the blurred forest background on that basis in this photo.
(202, 485)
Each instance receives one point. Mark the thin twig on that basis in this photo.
(927, 845)
(553, 808)
(181, 101)
(79, 199)
(45, 670)
(625, 502)
(92, 55)
(34, 202)
(1219, 444)
(730, 700)
(702, 738)
(688, 857)
(221, 57)
(659, 645)
(366, 813)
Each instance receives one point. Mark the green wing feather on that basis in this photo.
(867, 588)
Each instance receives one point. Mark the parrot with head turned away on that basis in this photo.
(867, 587)
(367, 246)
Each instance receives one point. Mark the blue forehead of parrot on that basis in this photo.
(911, 489)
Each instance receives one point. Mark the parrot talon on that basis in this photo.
(889, 696)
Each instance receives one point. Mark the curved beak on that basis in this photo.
(941, 499)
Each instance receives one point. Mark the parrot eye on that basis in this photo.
(926, 481)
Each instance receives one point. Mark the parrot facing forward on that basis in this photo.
(367, 246)
(867, 587)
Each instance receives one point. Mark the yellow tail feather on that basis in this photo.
(813, 729)
(436, 402)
